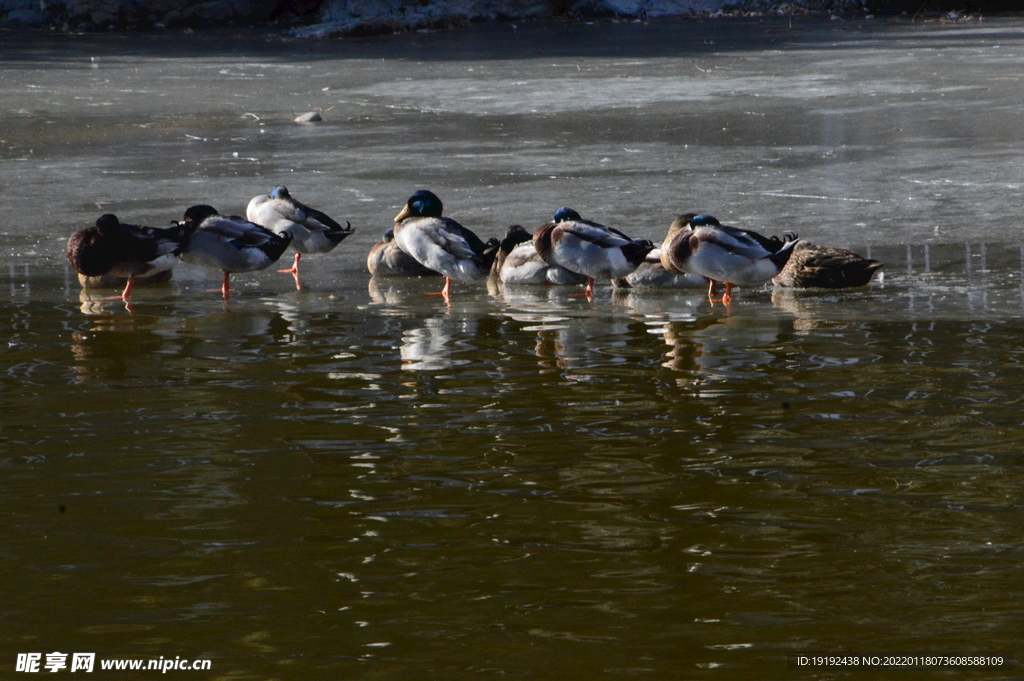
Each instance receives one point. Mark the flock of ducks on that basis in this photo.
(230, 244)
(570, 250)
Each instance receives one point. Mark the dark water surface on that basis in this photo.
(354, 481)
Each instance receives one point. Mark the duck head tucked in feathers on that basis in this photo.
(312, 231)
(514, 235)
(588, 248)
(697, 243)
(386, 259)
(229, 243)
(519, 263)
(124, 250)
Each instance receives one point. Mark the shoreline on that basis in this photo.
(369, 18)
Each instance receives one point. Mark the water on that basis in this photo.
(356, 481)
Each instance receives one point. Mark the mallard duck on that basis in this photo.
(700, 244)
(654, 275)
(813, 266)
(130, 251)
(587, 248)
(229, 243)
(441, 244)
(386, 259)
(518, 262)
(312, 231)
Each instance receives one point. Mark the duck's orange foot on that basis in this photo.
(294, 270)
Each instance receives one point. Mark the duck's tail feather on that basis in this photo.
(336, 235)
(780, 257)
(490, 252)
(637, 250)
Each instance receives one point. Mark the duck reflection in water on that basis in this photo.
(550, 349)
(580, 342)
(94, 300)
(436, 344)
(724, 347)
(95, 303)
(814, 309)
(118, 347)
(398, 291)
(121, 347)
(219, 335)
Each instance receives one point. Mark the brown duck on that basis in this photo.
(813, 266)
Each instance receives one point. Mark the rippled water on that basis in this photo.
(356, 481)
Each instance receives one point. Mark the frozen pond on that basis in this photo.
(356, 481)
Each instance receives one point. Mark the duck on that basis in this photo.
(813, 266)
(440, 243)
(312, 231)
(588, 248)
(386, 259)
(230, 244)
(111, 247)
(518, 262)
(700, 244)
(654, 275)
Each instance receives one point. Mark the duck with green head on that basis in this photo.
(588, 248)
(440, 243)
(519, 263)
(700, 244)
(312, 231)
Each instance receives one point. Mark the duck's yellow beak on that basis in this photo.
(404, 214)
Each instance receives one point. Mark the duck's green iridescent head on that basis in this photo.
(565, 214)
(422, 204)
(703, 221)
(691, 221)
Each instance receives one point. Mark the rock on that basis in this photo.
(26, 16)
(311, 117)
(103, 19)
(211, 12)
(78, 9)
(254, 10)
(160, 8)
